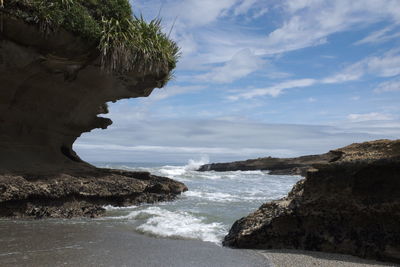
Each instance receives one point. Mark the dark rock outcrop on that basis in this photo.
(280, 166)
(351, 206)
(81, 194)
(52, 89)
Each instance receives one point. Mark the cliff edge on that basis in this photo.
(61, 61)
(351, 206)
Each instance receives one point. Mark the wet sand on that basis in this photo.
(66, 243)
(101, 243)
(290, 258)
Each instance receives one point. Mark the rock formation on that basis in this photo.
(351, 205)
(54, 82)
(283, 166)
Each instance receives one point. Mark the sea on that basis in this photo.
(214, 201)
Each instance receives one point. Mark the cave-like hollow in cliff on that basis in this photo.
(55, 84)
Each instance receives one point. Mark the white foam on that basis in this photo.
(178, 224)
(256, 172)
(232, 175)
(215, 196)
(208, 175)
(194, 165)
(109, 207)
(172, 171)
(225, 197)
(203, 212)
(238, 174)
(175, 171)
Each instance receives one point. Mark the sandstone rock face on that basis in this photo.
(351, 206)
(52, 90)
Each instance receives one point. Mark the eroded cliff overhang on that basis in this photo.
(53, 87)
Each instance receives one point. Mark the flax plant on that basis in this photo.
(125, 42)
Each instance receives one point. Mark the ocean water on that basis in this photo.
(215, 200)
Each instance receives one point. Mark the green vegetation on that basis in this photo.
(126, 43)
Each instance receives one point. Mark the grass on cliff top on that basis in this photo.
(126, 42)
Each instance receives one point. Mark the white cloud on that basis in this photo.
(387, 65)
(203, 12)
(389, 86)
(274, 90)
(191, 20)
(216, 46)
(206, 40)
(185, 149)
(172, 91)
(260, 12)
(380, 36)
(194, 13)
(310, 22)
(373, 116)
(202, 31)
(179, 140)
(187, 43)
(244, 7)
(242, 64)
(294, 6)
(351, 73)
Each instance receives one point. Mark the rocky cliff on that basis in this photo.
(351, 205)
(60, 63)
(288, 166)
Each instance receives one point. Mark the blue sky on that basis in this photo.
(262, 78)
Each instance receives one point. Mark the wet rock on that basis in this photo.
(351, 206)
(278, 166)
(81, 194)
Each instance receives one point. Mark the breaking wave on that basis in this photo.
(178, 224)
(212, 204)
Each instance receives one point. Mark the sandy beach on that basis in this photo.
(83, 243)
(95, 243)
(290, 258)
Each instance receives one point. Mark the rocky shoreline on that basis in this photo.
(349, 206)
(81, 194)
(278, 166)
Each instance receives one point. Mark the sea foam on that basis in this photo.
(212, 204)
(177, 224)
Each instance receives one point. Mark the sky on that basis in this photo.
(261, 78)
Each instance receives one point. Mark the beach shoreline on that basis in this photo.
(95, 243)
(86, 242)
